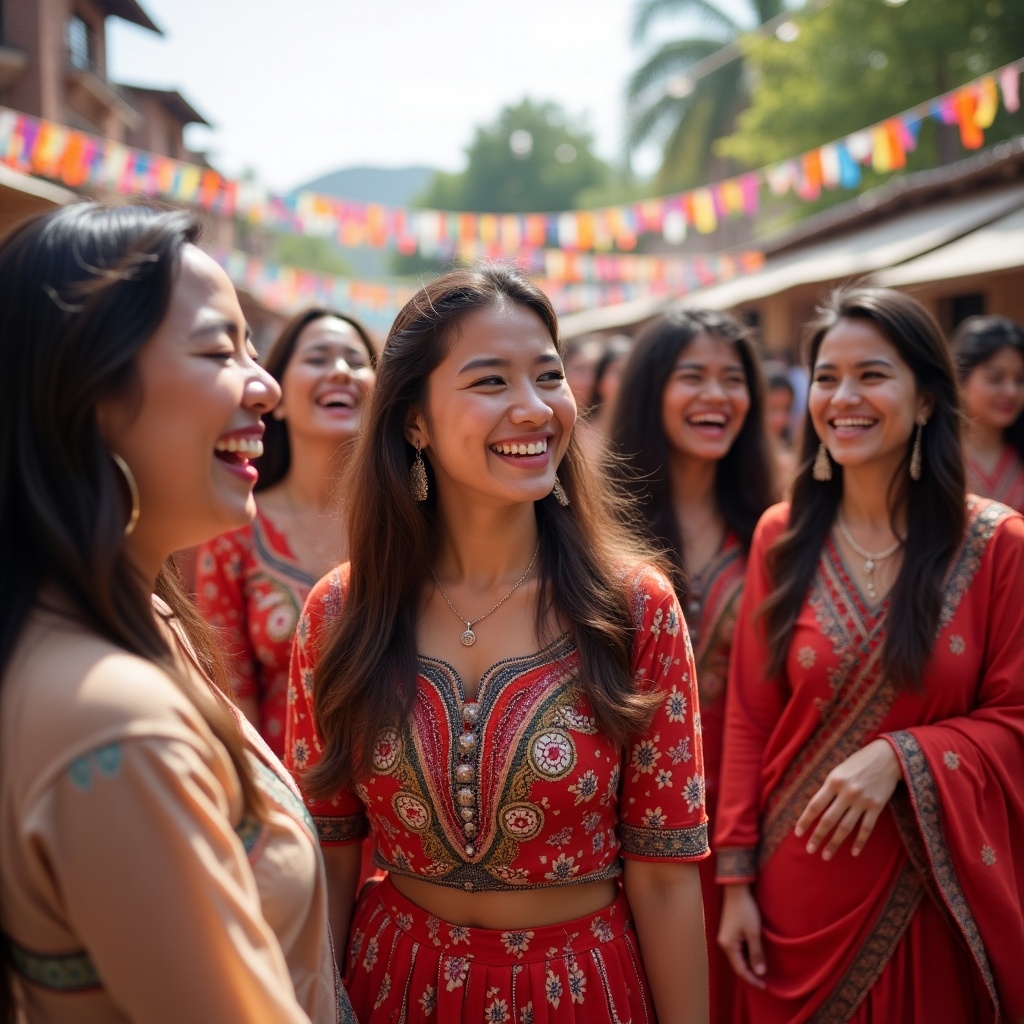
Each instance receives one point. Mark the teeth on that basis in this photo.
(852, 422)
(714, 421)
(251, 447)
(534, 448)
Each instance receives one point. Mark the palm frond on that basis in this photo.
(706, 14)
(647, 122)
(671, 59)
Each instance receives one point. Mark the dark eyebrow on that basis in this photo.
(221, 327)
(493, 361)
(878, 361)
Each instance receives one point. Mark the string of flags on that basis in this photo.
(80, 160)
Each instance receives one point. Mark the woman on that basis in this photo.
(607, 379)
(252, 582)
(155, 862)
(690, 429)
(504, 687)
(989, 353)
(870, 823)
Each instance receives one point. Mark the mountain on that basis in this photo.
(390, 186)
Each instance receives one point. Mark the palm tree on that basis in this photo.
(686, 115)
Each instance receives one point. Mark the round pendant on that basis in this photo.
(468, 638)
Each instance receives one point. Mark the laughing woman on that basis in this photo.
(693, 449)
(156, 863)
(871, 822)
(252, 582)
(503, 684)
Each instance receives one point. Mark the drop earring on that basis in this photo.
(559, 492)
(133, 491)
(916, 460)
(418, 478)
(822, 469)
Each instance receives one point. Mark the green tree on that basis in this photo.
(857, 62)
(666, 106)
(533, 157)
(309, 252)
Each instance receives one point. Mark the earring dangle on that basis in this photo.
(822, 469)
(915, 455)
(559, 492)
(418, 477)
(133, 491)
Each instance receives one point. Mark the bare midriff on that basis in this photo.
(525, 908)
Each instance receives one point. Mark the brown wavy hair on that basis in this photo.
(365, 677)
(934, 505)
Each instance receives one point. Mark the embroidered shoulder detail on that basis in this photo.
(664, 842)
(341, 830)
(249, 831)
(737, 863)
(65, 972)
(277, 790)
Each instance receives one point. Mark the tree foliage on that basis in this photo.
(685, 123)
(857, 62)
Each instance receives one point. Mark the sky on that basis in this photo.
(295, 90)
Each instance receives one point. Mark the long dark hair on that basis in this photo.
(276, 460)
(976, 341)
(934, 505)
(744, 478)
(81, 291)
(365, 678)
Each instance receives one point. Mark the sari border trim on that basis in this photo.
(347, 829)
(664, 843)
(737, 864)
(875, 952)
(67, 973)
(924, 798)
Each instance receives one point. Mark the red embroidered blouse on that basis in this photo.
(518, 789)
(250, 585)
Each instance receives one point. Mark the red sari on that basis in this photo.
(712, 602)
(926, 924)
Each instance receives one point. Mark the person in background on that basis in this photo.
(582, 355)
(502, 683)
(607, 377)
(156, 862)
(989, 354)
(251, 583)
(871, 821)
(692, 449)
(779, 419)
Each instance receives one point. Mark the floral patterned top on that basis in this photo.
(249, 584)
(519, 789)
(1004, 484)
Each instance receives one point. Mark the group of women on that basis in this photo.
(523, 669)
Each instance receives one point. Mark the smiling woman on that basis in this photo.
(252, 582)
(145, 825)
(501, 683)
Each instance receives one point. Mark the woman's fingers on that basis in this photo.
(814, 807)
(846, 825)
(867, 826)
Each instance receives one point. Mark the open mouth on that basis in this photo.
(715, 421)
(238, 450)
(851, 424)
(336, 400)
(520, 450)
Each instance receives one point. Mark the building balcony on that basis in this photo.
(97, 99)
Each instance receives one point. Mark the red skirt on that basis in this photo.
(407, 965)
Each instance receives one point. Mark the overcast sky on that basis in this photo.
(301, 88)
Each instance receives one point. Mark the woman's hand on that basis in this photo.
(739, 934)
(856, 790)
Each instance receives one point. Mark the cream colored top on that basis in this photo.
(133, 887)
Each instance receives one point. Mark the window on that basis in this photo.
(79, 43)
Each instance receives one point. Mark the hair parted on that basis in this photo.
(365, 677)
(276, 460)
(745, 477)
(975, 342)
(934, 506)
(82, 289)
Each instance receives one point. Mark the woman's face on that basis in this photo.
(498, 412)
(706, 399)
(994, 390)
(778, 410)
(326, 382)
(189, 433)
(864, 401)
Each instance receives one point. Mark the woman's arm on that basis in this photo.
(343, 864)
(668, 911)
(739, 934)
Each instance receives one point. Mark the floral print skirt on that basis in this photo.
(407, 965)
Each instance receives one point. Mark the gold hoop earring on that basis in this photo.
(133, 491)
(559, 492)
(822, 469)
(418, 487)
(916, 459)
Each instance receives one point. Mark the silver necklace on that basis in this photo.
(871, 559)
(469, 637)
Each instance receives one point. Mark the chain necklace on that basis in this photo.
(469, 637)
(870, 558)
